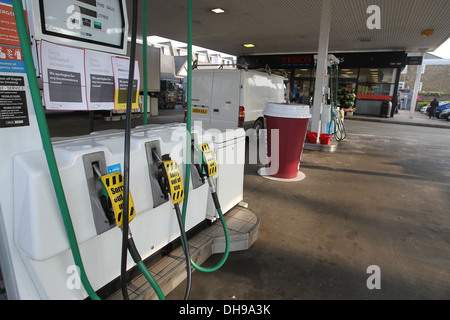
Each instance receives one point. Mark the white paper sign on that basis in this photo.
(99, 80)
(63, 75)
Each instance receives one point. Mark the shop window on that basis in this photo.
(347, 74)
(302, 73)
(376, 82)
(281, 72)
(347, 81)
(349, 86)
(301, 91)
(377, 75)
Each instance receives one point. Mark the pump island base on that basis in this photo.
(169, 271)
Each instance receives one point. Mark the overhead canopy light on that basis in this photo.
(218, 10)
(249, 45)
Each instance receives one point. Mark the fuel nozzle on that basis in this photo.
(156, 156)
(174, 182)
(111, 196)
(105, 200)
(161, 175)
(208, 167)
(169, 177)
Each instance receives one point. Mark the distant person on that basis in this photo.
(399, 99)
(433, 107)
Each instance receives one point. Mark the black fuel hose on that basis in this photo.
(186, 252)
(126, 161)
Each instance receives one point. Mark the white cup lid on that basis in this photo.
(294, 111)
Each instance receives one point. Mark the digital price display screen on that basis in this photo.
(99, 22)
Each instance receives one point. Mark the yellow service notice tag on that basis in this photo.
(210, 159)
(175, 181)
(113, 184)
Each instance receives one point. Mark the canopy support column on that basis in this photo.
(321, 70)
(416, 86)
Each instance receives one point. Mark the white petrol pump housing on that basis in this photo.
(229, 149)
(35, 255)
(39, 234)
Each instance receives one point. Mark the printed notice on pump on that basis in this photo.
(99, 80)
(13, 101)
(63, 74)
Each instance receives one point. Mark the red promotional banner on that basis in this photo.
(8, 29)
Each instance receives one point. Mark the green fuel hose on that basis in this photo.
(225, 230)
(137, 259)
(227, 239)
(188, 155)
(47, 144)
(151, 280)
(188, 147)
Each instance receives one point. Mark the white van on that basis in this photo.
(232, 98)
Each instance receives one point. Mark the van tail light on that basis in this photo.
(241, 114)
(185, 110)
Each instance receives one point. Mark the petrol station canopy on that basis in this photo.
(292, 26)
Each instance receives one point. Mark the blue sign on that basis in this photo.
(10, 65)
(114, 168)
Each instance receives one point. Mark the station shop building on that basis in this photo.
(373, 76)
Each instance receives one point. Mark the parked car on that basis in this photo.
(445, 114)
(442, 106)
(424, 108)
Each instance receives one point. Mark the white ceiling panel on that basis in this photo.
(291, 26)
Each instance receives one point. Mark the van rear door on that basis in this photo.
(201, 97)
(225, 99)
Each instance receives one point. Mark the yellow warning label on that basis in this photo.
(120, 100)
(113, 184)
(210, 159)
(175, 181)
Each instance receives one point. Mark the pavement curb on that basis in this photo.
(393, 121)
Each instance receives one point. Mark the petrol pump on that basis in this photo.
(71, 209)
(331, 121)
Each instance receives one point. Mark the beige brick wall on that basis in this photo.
(435, 78)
